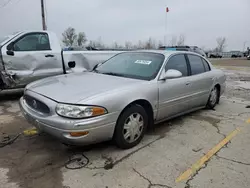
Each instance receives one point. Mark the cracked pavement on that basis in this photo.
(164, 154)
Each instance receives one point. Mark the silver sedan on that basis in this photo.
(123, 96)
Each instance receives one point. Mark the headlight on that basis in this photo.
(77, 111)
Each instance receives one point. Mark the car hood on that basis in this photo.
(72, 88)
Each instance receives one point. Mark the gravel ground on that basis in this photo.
(242, 62)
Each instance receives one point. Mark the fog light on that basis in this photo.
(76, 134)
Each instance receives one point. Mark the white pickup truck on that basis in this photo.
(32, 55)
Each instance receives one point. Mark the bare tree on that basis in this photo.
(140, 45)
(181, 40)
(160, 44)
(69, 36)
(173, 41)
(97, 43)
(128, 45)
(81, 39)
(221, 44)
(149, 44)
(115, 45)
(92, 44)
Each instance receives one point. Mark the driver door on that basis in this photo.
(174, 94)
(30, 58)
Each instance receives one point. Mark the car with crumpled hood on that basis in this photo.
(123, 96)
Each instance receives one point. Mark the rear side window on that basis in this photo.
(178, 62)
(196, 64)
(206, 65)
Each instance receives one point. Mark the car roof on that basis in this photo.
(167, 52)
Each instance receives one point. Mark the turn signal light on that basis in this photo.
(76, 134)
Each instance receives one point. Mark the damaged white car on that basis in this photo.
(32, 55)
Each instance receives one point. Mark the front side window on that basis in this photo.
(33, 42)
(196, 64)
(178, 62)
(138, 65)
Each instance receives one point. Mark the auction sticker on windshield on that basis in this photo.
(144, 62)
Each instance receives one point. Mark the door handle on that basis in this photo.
(49, 55)
(188, 83)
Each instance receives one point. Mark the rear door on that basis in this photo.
(174, 94)
(30, 57)
(201, 80)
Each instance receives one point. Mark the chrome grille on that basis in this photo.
(36, 104)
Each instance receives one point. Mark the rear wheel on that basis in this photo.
(213, 98)
(131, 127)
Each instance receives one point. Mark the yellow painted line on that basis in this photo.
(248, 121)
(191, 171)
(30, 132)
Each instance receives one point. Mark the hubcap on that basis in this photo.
(133, 127)
(213, 97)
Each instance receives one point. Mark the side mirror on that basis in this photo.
(72, 64)
(170, 74)
(11, 53)
(10, 47)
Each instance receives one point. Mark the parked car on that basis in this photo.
(236, 54)
(248, 57)
(184, 48)
(123, 96)
(245, 54)
(214, 55)
(32, 55)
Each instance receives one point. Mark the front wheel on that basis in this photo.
(131, 127)
(213, 98)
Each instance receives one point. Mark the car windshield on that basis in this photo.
(138, 65)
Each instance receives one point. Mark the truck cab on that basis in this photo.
(31, 55)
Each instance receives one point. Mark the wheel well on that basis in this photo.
(218, 87)
(148, 108)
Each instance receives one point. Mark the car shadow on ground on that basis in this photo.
(11, 95)
(37, 161)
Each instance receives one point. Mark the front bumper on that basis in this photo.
(99, 128)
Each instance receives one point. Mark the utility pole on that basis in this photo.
(43, 15)
(165, 32)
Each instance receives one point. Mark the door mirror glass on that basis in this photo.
(170, 74)
(11, 53)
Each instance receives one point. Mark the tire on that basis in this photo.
(213, 98)
(136, 115)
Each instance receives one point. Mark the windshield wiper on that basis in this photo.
(96, 71)
(113, 74)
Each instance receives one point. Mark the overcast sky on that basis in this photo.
(201, 21)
